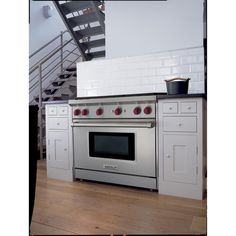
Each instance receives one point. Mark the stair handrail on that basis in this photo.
(53, 69)
(38, 66)
(49, 56)
(48, 43)
(69, 52)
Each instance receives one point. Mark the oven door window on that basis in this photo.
(111, 145)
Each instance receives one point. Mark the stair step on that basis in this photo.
(57, 87)
(57, 83)
(50, 91)
(72, 88)
(73, 6)
(94, 43)
(71, 69)
(67, 79)
(85, 19)
(62, 96)
(65, 76)
(97, 54)
(43, 99)
(89, 32)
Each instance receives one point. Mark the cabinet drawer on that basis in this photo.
(180, 124)
(62, 111)
(57, 123)
(188, 107)
(52, 111)
(170, 107)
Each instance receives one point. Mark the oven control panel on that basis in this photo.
(119, 110)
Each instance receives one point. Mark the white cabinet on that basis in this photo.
(182, 147)
(58, 153)
(59, 142)
(180, 158)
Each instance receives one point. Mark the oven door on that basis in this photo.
(126, 148)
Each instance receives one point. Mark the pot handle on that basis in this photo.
(168, 80)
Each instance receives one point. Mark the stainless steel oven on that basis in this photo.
(114, 140)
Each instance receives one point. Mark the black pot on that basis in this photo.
(177, 86)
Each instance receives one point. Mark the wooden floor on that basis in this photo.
(95, 208)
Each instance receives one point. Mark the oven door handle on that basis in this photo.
(116, 124)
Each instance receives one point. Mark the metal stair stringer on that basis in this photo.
(84, 20)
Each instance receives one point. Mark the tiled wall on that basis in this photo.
(141, 74)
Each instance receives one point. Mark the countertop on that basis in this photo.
(158, 95)
(193, 95)
(55, 102)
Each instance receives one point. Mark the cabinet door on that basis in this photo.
(180, 158)
(58, 155)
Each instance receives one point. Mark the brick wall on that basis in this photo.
(141, 74)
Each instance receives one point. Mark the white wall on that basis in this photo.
(41, 29)
(141, 74)
(140, 27)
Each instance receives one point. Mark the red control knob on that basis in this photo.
(147, 110)
(137, 110)
(118, 111)
(77, 112)
(99, 111)
(85, 112)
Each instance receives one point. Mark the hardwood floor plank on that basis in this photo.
(198, 225)
(41, 229)
(96, 208)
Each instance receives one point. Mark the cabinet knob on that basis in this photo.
(189, 108)
(180, 124)
(168, 156)
(58, 123)
(170, 108)
(65, 149)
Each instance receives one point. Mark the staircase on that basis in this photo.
(52, 72)
(85, 22)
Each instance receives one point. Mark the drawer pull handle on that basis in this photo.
(65, 149)
(58, 123)
(170, 108)
(180, 124)
(168, 156)
(189, 108)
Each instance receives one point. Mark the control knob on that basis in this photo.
(85, 112)
(118, 111)
(99, 111)
(147, 110)
(137, 110)
(77, 112)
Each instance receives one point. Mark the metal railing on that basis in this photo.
(46, 67)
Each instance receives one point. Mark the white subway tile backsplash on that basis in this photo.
(196, 50)
(163, 71)
(181, 69)
(189, 59)
(155, 64)
(196, 67)
(171, 61)
(92, 92)
(193, 76)
(140, 74)
(160, 88)
(157, 79)
(201, 59)
(196, 86)
(201, 76)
